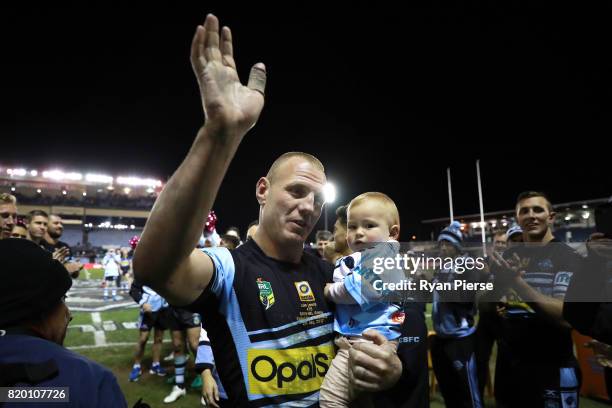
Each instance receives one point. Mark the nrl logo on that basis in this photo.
(266, 296)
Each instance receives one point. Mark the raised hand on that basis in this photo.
(228, 105)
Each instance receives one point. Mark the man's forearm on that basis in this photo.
(176, 221)
(549, 307)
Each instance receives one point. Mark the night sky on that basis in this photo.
(387, 99)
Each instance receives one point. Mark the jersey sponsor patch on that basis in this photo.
(563, 278)
(398, 317)
(266, 295)
(288, 371)
(304, 291)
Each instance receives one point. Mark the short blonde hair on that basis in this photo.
(290, 155)
(383, 200)
(6, 198)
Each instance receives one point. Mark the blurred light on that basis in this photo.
(586, 215)
(38, 190)
(132, 226)
(463, 227)
(329, 192)
(84, 193)
(18, 172)
(505, 224)
(568, 217)
(64, 192)
(34, 173)
(110, 188)
(150, 190)
(9, 172)
(127, 190)
(98, 178)
(12, 188)
(413, 237)
(60, 175)
(137, 181)
(585, 206)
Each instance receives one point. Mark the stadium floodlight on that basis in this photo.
(138, 182)
(59, 175)
(18, 172)
(329, 192)
(98, 178)
(127, 190)
(33, 173)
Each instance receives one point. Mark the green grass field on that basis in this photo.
(119, 358)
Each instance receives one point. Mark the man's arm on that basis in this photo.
(549, 307)
(165, 258)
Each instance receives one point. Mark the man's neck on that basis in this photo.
(285, 253)
(50, 240)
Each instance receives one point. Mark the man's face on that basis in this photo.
(321, 244)
(367, 224)
(8, 217)
(55, 228)
(534, 217)
(293, 201)
(38, 226)
(447, 250)
(340, 237)
(19, 231)
(58, 323)
(514, 239)
(499, 243)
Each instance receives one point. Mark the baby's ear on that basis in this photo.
(394, 232)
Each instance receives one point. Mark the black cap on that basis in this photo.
(32, 281)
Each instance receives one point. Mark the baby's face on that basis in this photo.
(367, 225)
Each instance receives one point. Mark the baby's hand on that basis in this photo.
(326, 290)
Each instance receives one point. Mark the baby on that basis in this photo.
(373, 221)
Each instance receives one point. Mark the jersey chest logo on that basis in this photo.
(266, 295)
(304, 291)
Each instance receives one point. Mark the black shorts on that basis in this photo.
(110, 278)
(534, 383)
(181, 319)
(158, 320)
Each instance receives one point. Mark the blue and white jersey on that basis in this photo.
(453, 317)
(153, 298)
(270, 327)
(367, 312)
(206, 360)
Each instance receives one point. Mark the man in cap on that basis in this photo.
(33, 324)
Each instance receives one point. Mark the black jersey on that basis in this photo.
(269, 326)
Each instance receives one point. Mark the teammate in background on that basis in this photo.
(125, 264)
(212, 389)
(453, 348)
(153, 314)
(111, 263)
(535, 351)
